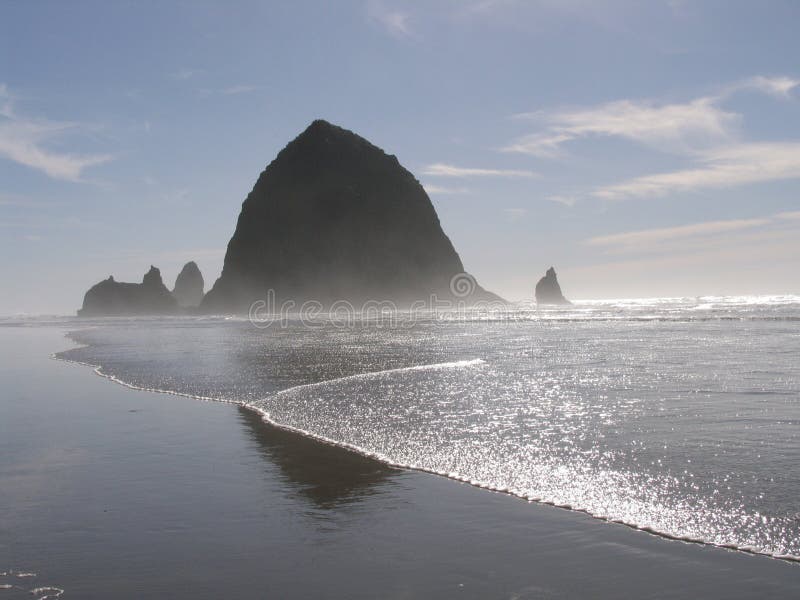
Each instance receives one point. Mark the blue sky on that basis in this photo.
(643, 149)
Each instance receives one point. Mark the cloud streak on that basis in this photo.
(679, 127)
(780, 87)
(442, 190)
(689, 236)
(725, 167)
(566, 200)
(446, 170)
(239, 89)
(23, 140)
(184, 74)
(700, 130)
(395, 22)
(633, 239)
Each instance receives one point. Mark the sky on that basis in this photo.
(642, 149)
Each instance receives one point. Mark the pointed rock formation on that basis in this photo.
(115, 298)
(335, 218)
(189, 286)
(548, 291)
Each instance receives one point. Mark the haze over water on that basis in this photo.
(676, 415)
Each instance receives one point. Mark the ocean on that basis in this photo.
(677, 416)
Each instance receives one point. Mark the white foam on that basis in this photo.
(266, 417)
(48, 591)
(458, 364)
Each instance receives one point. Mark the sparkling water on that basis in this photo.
(679, 416)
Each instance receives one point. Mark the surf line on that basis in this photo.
(266, 417)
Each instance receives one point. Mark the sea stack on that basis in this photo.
(335, 218)
(548, 291)
(189, 286)
(116, 298)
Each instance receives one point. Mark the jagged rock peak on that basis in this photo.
(189, 286)
(548, 291)
(117, 298)
(152, 277)
(325, 129)
(321, 139)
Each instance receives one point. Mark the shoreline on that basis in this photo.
(202, 501)
(269, 422)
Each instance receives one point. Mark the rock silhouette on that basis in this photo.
(333, 218)
(189, 286)
(548, 291)
(116, 298)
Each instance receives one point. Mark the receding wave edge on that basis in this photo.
(266, 417)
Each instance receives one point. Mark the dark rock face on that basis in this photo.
(189, 286)
(115, 298)
(548, 291)
(335, 218)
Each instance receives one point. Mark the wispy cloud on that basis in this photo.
(442, 190)
(701, 130)
(233, 90)
(239, 89)
(395, 22)
(648, 239)
(632, 240)
(23, 140)
(723, 167)
(184, 73)
(445, 170)
(566, 200)
(543, 145)
(678, 127)
(702, 264)
(779, 87)
(515, 213)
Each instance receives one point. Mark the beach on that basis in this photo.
(107, 492)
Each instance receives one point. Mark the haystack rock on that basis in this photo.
(189, 286)
(335, 218)
(548, 291)
(116, 298)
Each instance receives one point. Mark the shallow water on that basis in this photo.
(107, 492)
(681, 416)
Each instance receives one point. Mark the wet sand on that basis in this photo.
(106, 492)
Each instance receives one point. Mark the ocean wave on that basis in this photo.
(319, 389)
(42, 592)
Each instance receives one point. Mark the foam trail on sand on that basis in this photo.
(639, 416)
